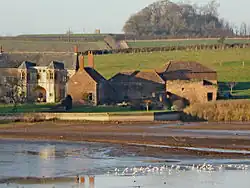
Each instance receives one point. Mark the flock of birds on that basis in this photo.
(135, 171)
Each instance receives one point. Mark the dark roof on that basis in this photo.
(26, 65)
(194, 67)
(14, 60)
(150, 75)
(94, 74)
(124, 76)
(56, 65)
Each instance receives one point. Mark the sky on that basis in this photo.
(57, 16)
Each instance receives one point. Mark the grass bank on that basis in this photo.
(230, 110)
(27, 108)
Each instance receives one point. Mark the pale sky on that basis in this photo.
(57, 16)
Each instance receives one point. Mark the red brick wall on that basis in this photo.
(81, 83)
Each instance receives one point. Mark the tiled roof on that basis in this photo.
(150, 75)
(194, 67)
(145, 75)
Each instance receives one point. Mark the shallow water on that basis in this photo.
(66, 160)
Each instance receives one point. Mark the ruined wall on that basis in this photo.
(193, 91)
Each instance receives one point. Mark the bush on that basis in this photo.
(230, 110)
(178, 105)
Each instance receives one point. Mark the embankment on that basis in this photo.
(102, 117)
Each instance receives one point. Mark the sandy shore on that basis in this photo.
(181, 137)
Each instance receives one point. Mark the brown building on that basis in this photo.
(189, 80)
(136, 85)
(87, 86)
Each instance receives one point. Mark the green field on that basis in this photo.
(49, 46)
(184, 42)
(228, 63)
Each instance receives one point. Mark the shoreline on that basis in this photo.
(139, 138)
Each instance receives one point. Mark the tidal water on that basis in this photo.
(111, 168)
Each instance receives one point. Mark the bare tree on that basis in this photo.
(243, 29)
(231, 86)
(12, 91)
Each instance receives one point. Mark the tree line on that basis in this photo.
(165, 18)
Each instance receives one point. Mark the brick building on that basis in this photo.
(87, 86)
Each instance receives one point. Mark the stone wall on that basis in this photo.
(193, 91)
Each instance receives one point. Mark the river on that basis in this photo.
(63, 161)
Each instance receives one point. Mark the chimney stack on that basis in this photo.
(76, 49)
(91, 63)
(81, 63)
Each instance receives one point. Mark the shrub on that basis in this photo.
(178, 105)
(230, 110)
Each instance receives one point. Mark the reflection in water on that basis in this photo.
(58, 164)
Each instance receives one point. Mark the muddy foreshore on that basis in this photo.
(126, 136)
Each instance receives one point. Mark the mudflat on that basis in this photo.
(144, 138)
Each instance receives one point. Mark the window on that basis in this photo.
(4, 80)
(182, 89)
(209, 96)
(22, 75)
(90, 97)
(38, 76)
(50, 94)
(51, 75)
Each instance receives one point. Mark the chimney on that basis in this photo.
(76, 49)
(81, 63)
(91, 63)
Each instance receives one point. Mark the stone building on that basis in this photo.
(189, 80)
(87, 86)
(136, 85)
(42, 76)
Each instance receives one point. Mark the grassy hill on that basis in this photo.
(228, 63)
